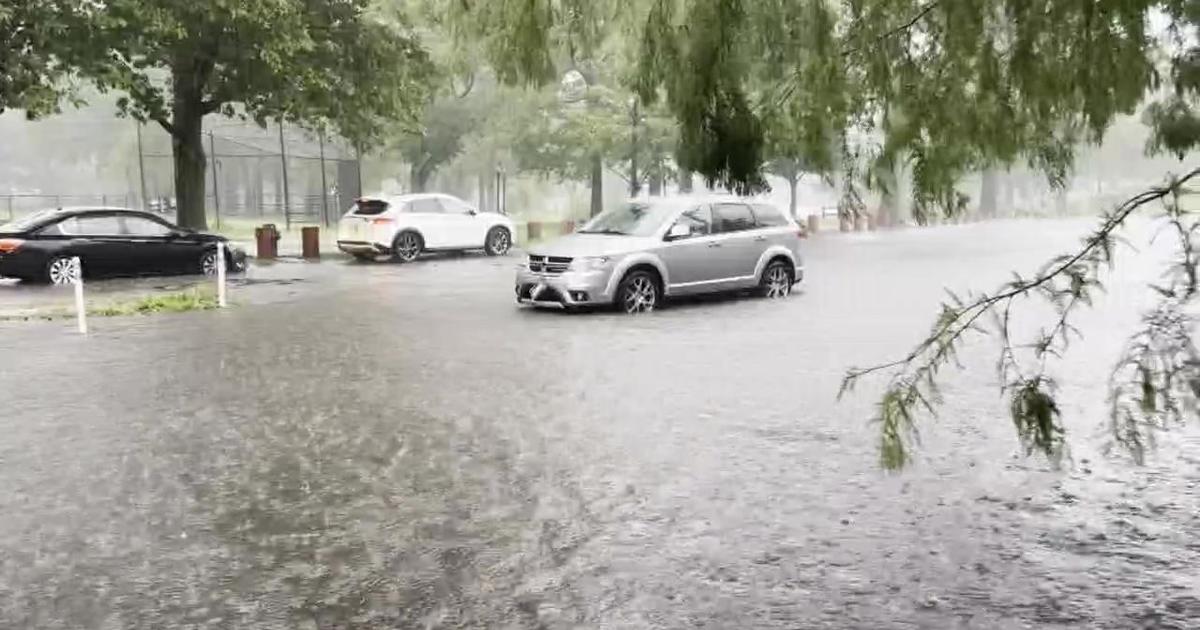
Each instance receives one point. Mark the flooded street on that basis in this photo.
(400, 446)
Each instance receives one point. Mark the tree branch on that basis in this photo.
(164, 123)
(793, 81)
(924, 11)
(985, 303)
(1035, 412)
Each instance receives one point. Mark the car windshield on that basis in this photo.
(26, 222)
(634, 219)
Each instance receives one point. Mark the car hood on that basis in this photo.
(579, 245)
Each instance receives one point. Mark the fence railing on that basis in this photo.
(18, 204)
(298, 209)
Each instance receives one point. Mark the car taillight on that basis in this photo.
(381, 221)
(10, 245)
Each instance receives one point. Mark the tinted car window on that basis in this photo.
(139, 226)
(454, 206)
(698, 220)
(28, 222)
(102, 225)
(732, 217)
(429, 205)
(370, 207)
(66, 227)
(637, 218)
(768, 216)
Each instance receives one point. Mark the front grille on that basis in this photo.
(552, 265)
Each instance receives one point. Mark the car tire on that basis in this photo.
(59, 271)
(407, 246)
(208, 263)
(777, 280)
(638, 292)
(499, 241)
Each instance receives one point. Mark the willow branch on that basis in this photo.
(964, 318)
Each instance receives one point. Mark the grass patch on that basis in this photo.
(195, 299)
(178, 302)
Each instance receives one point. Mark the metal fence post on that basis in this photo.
(212, 149)
(141, 169)
(287, 213)
(324, 185)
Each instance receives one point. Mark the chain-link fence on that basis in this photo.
(280, 175)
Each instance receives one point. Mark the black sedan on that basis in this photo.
(108, 242)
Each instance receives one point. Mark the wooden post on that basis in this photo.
(310, 242)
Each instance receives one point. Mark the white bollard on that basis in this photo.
(220, 274)
(80, 310)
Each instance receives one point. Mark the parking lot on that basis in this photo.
(383, 446)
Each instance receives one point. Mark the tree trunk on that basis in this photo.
(597, 186)
(1009, 195)
(988, 190)
(656, 181)
(793, 180)
(187, 149)
(889, 201)
(685, 181)
(418, 179)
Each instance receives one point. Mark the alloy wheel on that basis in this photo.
(208, 264)
(62, 271)
(779, 283)
(408, 246)
(500, 242)
(640, 295)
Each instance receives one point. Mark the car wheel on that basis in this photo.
(60, 270)
(776, 280)
(638, 293)
(498, 242)
(208, 263)
(407, 247)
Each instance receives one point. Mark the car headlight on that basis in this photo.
(590, 263)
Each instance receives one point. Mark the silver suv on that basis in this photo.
(647, 250)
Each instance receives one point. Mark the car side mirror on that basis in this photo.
(677, 232)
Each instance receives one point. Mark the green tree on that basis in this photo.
(575, 142)
(950, 88)
(438, 139)
(329, 63)
(28, 68)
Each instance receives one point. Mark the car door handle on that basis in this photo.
(760, 238)
(714, 244)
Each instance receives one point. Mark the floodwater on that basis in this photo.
(400, 446)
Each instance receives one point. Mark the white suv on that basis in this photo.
(404, 226)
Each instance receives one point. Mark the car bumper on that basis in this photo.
(361, 247)
(237, 258)
(20, 265)
(565, 290)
